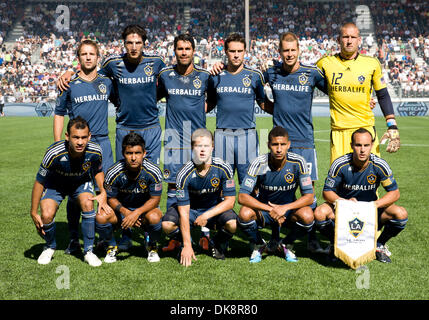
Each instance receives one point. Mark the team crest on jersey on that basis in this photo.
(166, 173)
(356, 227)
(148, 70)
(289, 177)
(246, 81)
(142, 183)
(197, 83)
(303, 79)
(371, 178)
(102, 87)
(215, 182)
(86, 165)
(361, 79)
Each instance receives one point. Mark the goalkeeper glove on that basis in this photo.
(392, 136)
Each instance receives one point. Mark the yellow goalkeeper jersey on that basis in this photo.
(350, 84)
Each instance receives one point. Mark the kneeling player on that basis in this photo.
(67, 170)
(276, 175)
(134, 187)
(205, 197)
(356, 176)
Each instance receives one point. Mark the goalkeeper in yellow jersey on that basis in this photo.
(350, 78)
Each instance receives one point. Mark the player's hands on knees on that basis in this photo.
(392, 137)
(217, 68)
(131, 220)
(38, 223)
(63, 80)
(186, 256)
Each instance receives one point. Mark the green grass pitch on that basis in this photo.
(23, 141)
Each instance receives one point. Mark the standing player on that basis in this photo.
(87, 96)
(68, 169)
(350, 78)
(277, 175)
(134, 188)
(205, 197)
(234, 91)
(356, 176)
(293, 84)
(184, 86)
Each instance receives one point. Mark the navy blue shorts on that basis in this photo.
(106, 149)
(151, 136)
(59, 195)
(238, 147)
(310, 156)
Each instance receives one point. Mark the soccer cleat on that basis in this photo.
(125, 244)
(314, 247)
(73, 247)
(112, 251)
(256, 255)
(153, 255)
(204, 243)
(289, 254)
(92, 259)
(331, 253)
(217, 251)
(273, 246)
(172, 245)
(46, 256)
(102, 246)
(381, 254)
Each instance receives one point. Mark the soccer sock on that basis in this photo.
(250, 228)
(88, 230)
(175, 235)
(171, 198)
(391, 229)
(154, 231)
(221, 237)
(327, 228)
(298, 231)
(275, 231)
(106, 233)
(73, 217)
(126, 234)
(50, 234)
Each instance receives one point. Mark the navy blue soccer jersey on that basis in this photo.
(61, 172)
(235, 96)
(293, 98)
(185, 100)
(278, 187)
(133, 193)
(136, 89)
(348, 182)
(88, 99)
(204, 192)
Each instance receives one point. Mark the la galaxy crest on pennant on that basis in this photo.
(356, 227)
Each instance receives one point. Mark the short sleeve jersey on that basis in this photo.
(277, 186)
(348, 182)
(133, 193)
(350, 84)
(204, 192)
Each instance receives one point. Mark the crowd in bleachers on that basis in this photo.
(401, 37)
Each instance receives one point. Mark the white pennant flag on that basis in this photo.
(355, 232)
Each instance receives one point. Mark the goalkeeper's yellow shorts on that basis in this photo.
(341, 140)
